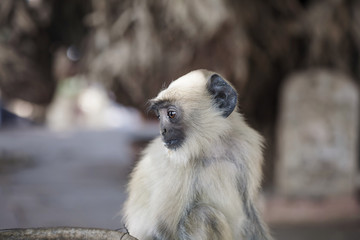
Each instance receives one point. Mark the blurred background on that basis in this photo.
(75, 76)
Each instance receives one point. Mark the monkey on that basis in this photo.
(200, 178)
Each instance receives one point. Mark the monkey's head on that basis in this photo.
(195, 111)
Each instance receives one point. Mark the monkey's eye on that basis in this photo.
(171, 114)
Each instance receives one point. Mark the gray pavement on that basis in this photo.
(74, 178)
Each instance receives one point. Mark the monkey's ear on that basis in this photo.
(224, 95)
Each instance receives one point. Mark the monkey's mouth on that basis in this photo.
(172, 143)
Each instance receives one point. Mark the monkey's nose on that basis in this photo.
(163, 132)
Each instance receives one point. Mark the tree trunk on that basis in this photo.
(63, 233)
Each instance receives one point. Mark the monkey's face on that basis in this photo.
(171, 128)
(193, 112)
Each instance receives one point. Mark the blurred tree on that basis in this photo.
(30, 33)
(24, 58)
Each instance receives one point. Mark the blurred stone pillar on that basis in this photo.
(317, 135)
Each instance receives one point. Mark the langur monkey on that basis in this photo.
(200, 178)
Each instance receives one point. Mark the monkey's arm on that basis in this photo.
(203, 222)
(255, 229)
(249, 181)
(135, 216)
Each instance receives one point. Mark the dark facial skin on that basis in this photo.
(171, 124)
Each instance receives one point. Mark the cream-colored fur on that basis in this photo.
(163, 182)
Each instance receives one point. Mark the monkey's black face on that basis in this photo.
(171, 125)
(171, 129)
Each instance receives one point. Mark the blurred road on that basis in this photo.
(65, 178)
